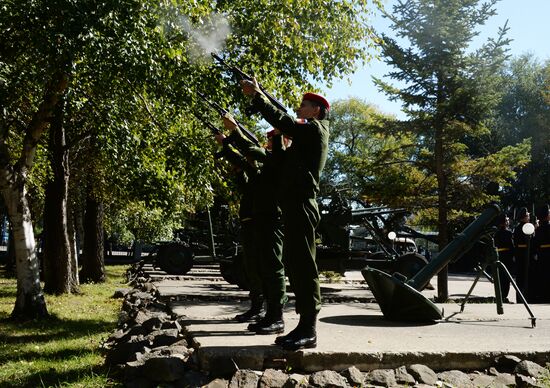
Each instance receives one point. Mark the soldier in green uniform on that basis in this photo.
(266, 230)
(244, 174)
(302, 164)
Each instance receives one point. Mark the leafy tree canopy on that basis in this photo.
(133, 68)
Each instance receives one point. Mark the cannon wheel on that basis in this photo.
(232, 271)
(410, 264)
(175, 259)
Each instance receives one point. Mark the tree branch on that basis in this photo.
(40, 120)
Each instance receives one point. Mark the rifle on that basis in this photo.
(239, 73)
(215, 130)
(214, 105)
(227, 152)
(230, 150)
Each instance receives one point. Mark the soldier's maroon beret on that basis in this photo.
(270, 133)
(317, 98)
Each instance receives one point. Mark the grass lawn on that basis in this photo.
(63, 350)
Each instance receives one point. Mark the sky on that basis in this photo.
(529, 28)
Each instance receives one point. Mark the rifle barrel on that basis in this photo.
(215, 130)
(235, 70)
(214, 105)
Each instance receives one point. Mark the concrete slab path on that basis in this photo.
(353, 331)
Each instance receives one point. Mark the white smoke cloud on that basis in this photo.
(208, 37)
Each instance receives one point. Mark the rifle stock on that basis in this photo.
(239, 73)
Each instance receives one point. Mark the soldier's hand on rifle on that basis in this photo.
(219, 138)
(229, 122)
(250, 87)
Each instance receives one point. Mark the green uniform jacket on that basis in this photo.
(266, 226)
(265, 180)
(243, 178)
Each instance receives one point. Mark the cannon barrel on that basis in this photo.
(374, 211)
(456, 248)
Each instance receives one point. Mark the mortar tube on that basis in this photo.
(453, 250)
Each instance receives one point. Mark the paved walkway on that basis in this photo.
(353, 331)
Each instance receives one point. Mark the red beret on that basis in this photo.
(317, 98)
(270, 133)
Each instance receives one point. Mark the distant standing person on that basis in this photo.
(302, 164)
(505, 248)
(541, 250)
(521, 241)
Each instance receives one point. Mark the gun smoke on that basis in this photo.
(208, 37)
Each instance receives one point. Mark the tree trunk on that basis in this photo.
(73, 246)
(30, 303)
(57, 257)
(93, 260)
(79, 231)
(10, 253)
(442, 276)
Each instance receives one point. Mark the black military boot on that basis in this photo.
(272, 323)
(255, 312)
(294, 333)
(303, 337)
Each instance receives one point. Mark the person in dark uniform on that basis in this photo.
(521, 242)
(267, 229)
(302, 164)
(244, 175)
(541, 254)
(505, 248)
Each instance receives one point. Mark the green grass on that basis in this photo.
(63, 350)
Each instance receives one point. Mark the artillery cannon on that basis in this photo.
(399, 296)
(203, 241)
(341, 249)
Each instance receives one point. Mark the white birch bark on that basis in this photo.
(30, 299)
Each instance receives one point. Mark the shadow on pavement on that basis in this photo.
(369, 320)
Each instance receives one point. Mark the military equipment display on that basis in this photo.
(342, 248)
(399, 296)
(202, 241)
